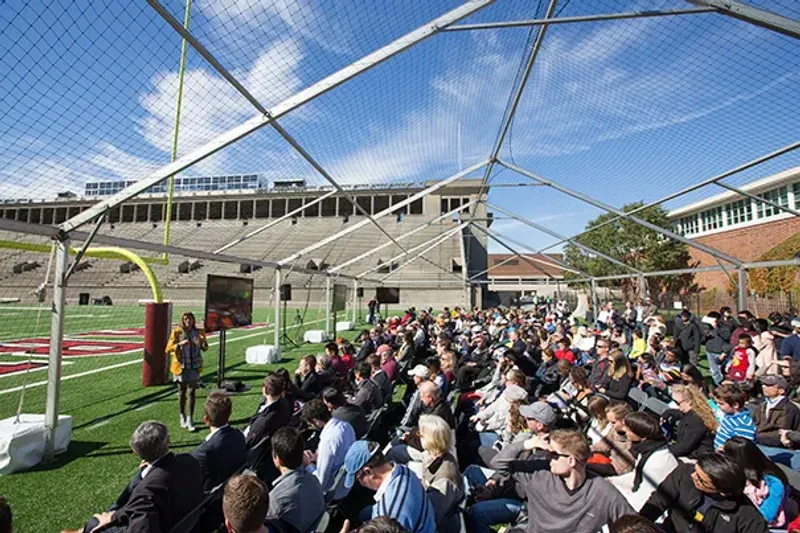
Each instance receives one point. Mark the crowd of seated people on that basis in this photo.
(468, 420)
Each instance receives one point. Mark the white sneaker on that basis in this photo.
(190, 425)
(184, 421)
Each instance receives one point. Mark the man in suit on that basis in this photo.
(367, 396)
(274, 412)
(336, 402)
(224, 450)
(306, 379)
(171, 486)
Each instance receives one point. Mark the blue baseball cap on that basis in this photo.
(357, 456)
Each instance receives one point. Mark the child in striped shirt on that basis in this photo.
(736, 422)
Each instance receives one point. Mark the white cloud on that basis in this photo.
(300, 16)
(210, 104)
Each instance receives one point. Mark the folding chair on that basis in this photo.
(639, 396)
(655, 405)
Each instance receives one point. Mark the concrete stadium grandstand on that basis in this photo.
(281, 218)
(744, 227)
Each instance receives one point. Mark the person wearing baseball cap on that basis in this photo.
(419, 374)
(496, 492)
(790, 346)
(399, 494)
(773, 418)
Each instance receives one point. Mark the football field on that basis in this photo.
(102, 390)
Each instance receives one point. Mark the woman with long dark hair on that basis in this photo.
(767, 485)
(620, 377)
(185, 346)
(653, 460)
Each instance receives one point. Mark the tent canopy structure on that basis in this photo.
(592, 104)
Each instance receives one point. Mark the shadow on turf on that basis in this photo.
(161, 394)
(77, 450)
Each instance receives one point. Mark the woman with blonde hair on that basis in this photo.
(621, 376)
(185, 346)
(693, 422)
(440, 474)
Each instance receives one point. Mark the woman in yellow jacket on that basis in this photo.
(185, 346)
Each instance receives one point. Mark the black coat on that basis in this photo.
(678, 495)
(265, 423)
(353, 415)
(688, 337)
(367, 349)
(309, 387)
(692, 437)
(220, 456)
(172, 488)
(716, 339)
(618, 389)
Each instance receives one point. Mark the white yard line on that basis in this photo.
(136, 361)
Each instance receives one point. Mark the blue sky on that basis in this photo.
(625, 110)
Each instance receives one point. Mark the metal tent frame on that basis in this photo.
(70, 229)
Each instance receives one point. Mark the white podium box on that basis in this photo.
(263, 354)
(315, 336)
(345, 326)
(22, 444)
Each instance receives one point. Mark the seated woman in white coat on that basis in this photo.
(654, 461)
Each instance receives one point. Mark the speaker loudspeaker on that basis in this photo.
(286, 293)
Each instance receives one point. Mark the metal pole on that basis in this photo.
(605, 207)
(274, 222)
(327, 304)
(759, 199)
(517, 95)
(406, 235)
(283, 108)
(552, 233)
(52, 404)
(754, 15)
(391, 261)
(583, 18)
(355, 299)
(277, 312)
(358, 225)
(436, 241)
(595, 300)
(552, 261)
(742, 292)
(728, 173)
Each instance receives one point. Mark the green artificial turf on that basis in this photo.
(108, 405)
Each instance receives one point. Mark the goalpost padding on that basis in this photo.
(157, 323)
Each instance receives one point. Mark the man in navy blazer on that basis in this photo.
(273, 413)
(224, 450)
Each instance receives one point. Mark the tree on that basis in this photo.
(634, 245)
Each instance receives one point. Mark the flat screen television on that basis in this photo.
(387, 295)
(229, 302)
(339, 298)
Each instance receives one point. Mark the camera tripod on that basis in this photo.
(297, 325)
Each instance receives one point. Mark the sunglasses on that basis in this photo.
(554, 456)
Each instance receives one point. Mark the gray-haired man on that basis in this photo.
(170, 486)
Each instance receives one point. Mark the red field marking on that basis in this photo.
(71, 348)
(139, 332)
(19, 367)
(127, 332)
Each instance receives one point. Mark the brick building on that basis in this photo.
(739, 226)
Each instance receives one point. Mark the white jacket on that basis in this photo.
(659, 465)
(765, 344)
